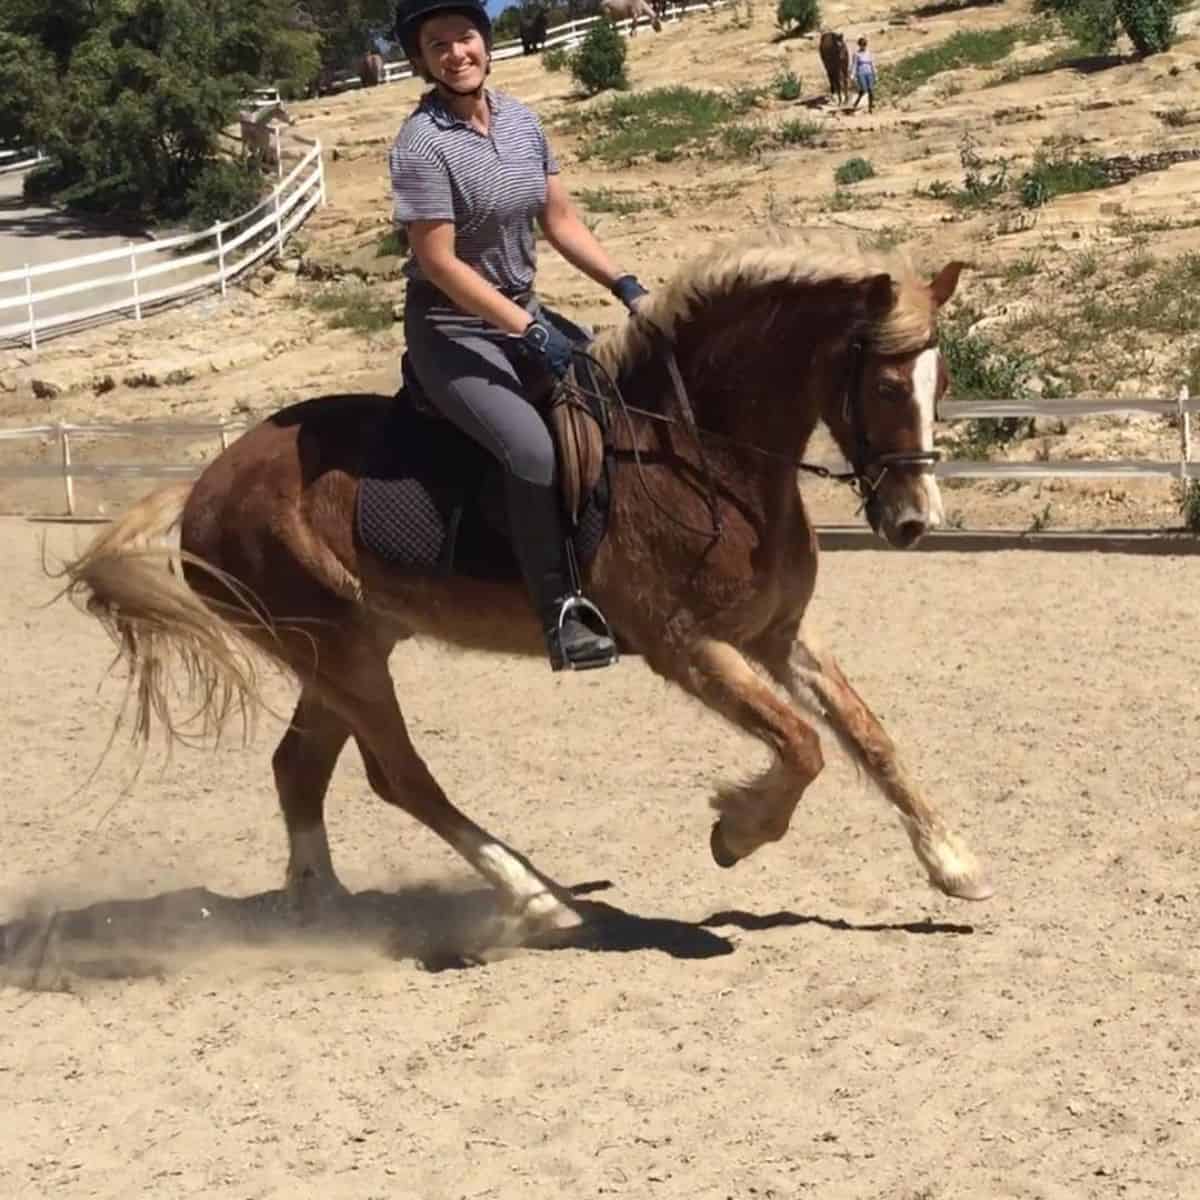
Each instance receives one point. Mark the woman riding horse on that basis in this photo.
(471, 170)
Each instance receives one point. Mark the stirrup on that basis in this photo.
(592, 619)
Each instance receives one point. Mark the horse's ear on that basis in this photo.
(942, 285)
(878, 296)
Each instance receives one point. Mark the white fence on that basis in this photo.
(207, 259)
(1182, 468)
(568, 36)
(1181, 407)
(20, 160)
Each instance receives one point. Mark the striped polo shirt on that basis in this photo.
(491, 185)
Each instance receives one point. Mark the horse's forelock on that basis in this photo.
(815, 263)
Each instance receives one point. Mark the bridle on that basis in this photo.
(853, 414)
(862, 462)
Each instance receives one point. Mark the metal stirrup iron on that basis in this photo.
(592, 617)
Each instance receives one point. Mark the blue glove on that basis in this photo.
(627, 289)
(548, 344)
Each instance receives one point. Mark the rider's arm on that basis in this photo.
(432, 243)
(572, 238)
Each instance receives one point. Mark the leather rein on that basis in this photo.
(853, 413)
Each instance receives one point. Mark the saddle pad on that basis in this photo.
(422, 475)
(431, 501)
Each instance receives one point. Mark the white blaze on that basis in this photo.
(925, 378)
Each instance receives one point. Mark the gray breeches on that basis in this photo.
(467, 369)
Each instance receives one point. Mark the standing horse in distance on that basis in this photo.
(370, 70)
(532, 27)
(835, 56)
(707, 567)
(631, 10)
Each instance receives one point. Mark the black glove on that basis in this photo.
(627, 289)
(549, 345)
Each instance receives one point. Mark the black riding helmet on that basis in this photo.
(411, 13)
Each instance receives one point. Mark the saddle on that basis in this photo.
(431, 499)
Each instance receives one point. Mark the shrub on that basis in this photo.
(1092, 24)
(799, 132)
(1150, 24)
(786, 85)
(1187, 495)
(795, 17)
(599, 63)
(853, 170)
(223, 189)
(353, 307)
(1058, 174)
(981, 370)
(742, 141)
(556, 59)
(394, 243)
(658, 124)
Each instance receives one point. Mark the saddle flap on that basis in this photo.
(579, 422)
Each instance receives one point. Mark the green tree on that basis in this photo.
(26, 69)
(1150, 24)
(1094, 24)
(795, 17)
(599, 63)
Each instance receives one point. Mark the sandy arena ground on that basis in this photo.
(816, 1022)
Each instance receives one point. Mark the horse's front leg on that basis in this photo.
(761, 810)
(810, 673)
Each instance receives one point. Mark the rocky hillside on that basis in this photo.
(1068, 183)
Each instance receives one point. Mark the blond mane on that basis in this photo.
(809, 257)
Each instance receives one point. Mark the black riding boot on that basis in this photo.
(576, 633)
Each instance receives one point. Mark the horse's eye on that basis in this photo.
(893, 393)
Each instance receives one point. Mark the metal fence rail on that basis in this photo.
(1182, 468)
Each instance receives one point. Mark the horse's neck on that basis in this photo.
(758, 370)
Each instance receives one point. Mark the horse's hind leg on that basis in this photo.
(360, 693)
(303, 764)
(810, 673)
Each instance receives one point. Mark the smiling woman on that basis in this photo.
(471, 172)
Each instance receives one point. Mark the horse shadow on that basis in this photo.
(439, 928)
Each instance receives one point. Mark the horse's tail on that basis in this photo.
(175, 646)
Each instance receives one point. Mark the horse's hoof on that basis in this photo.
(722, 855)
(970, 889)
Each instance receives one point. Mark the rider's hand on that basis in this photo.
(629, 291)
(548, 344)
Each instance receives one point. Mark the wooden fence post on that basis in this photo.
(29, 303)
(1185, 431)
(68, 483)
(219, 227)
(137, 301)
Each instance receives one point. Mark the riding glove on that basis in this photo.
(550, 345)
(627, 289)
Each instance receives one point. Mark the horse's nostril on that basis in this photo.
(908, 532)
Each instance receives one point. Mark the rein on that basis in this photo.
(852, 410)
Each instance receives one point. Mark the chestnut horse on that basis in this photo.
(706, 570)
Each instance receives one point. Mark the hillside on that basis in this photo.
(1099, 288)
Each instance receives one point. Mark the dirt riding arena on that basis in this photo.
(816, 1022)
